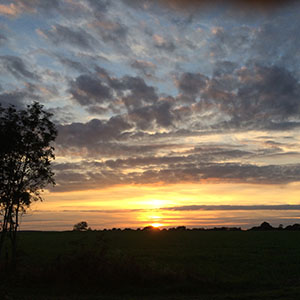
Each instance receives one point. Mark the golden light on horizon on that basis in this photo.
(152, 218)
(143, 205)
(157, 225)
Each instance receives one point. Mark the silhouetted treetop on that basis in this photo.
(81, 226)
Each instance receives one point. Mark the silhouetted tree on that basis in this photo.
(265, 226)
(180, 228)
(81, 226)
(151, 228)
(25, 163)
(294, 227)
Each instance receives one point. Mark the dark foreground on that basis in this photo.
(154, 265)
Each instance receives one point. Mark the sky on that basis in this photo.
(168, 112)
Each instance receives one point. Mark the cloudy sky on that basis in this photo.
(171, 112)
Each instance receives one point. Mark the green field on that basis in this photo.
(155, 265)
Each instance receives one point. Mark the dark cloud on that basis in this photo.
(223, 68)
(99, 87)
(45, 5)
(15, 66)
(98, 109)
(92, 132)
(61, 115)
(238, 173)
(146, 68)
(198, 157)
(177, 173)
(3, 39)
(141, 159)
(219, 153)
(252, 96)
(268, 91)
(160, 113)
(91, 142)
(276, 41)
(282, 126)
(190, 85)
(99, 6)
(89, 89)
(19, 98)
(111, 31)
(75, 65)
(78, 37)
(163, 44)
(139, 92)
(15, 98)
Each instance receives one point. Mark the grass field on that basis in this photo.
(155, 265)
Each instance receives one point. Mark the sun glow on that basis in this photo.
(156, 221)
(156, 225)
(140, 206)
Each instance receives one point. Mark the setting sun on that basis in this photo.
(157, 225)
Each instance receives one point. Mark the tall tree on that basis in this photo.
(25, 164)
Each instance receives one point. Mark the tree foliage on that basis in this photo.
(81, 226)
(25, 162)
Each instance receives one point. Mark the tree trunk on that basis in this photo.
(14, 225)
(4, 229)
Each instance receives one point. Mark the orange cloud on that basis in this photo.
(9, 10)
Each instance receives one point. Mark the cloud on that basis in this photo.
(233, 207)
(160, 162)
(237, 40)
(21, 6)
(190, 85)
(198, 165)
(3, 39)
(139, 92)
(72, 64)
(99, 7)
(15, 66)
(252, 96)
(145, 68)
(159, 112)
(99, 87)
(88, 89)
(270, 44)
(110, 31)
(282, 126)
(61, 115)
(163, 44)
(9, 10)
(44, 5)
(223, 68)
(178, 173)
(60, 34)
(270, 91)
(92, 132)
(18, 98)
